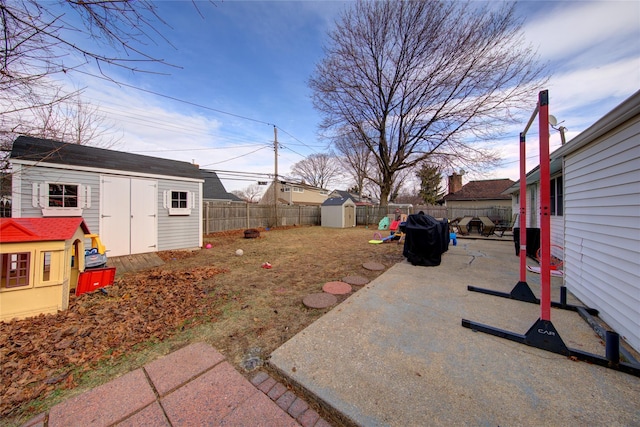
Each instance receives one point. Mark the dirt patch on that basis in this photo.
(211, 295)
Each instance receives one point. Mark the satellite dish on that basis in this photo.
(552, 120)
(462, 172)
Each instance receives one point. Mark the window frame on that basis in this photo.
(42, 198)
(169, 200)
(22, 266)
(556, 196)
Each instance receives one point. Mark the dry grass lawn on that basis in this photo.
(211, 295)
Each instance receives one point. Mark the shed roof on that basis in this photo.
(15, 230)
(490, 189)
(49, 151)
(337, 201)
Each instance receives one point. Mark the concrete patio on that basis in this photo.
(395, 353)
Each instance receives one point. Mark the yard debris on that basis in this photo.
(41, 353)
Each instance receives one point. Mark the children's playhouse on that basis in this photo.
(37, 264)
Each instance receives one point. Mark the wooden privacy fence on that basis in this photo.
(224, 216)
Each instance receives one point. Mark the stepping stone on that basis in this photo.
(373, 266)
(355, 280)
(336, 288)
(319, 300)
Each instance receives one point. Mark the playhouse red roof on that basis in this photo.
(15, 230)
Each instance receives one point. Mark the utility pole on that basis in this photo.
(275, 174)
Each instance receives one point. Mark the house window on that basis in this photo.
(63, 196)
(298, 190)
(556, 196)
(15, 270)
(286, 189)
(179, 202)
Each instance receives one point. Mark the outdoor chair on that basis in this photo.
(463, 225)
(488, 227)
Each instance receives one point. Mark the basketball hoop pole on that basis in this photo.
(542, 334)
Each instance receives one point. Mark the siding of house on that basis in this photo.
(602, 231)
(182, 231)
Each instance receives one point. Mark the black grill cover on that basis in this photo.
(426, 239)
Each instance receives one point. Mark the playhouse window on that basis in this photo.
(15, 270)
(46, 266)
(63, 196)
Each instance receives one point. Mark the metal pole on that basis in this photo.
(523, 208)
(545, 208)
(275, 175)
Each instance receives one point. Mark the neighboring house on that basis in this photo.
(137, 204)
(214, 191)
(294, 193)
(38, 264)
(595, 215)
(477, 194)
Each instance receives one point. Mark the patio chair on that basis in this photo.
(463, 225)
(488, 227)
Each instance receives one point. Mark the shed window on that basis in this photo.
(556, 196)
(60, 198)
(63, 196)
(15, 270)
(179, 202)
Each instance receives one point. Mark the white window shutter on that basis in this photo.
(192, 199)
(87, 196)
(165, 204)
(35, 193)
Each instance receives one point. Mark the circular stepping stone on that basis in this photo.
(336, 288)
(355, 280)
(373, 266)
(320, 300)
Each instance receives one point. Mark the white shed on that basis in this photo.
(338, 212)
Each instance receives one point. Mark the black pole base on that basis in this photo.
(544, 336)
(522, 292)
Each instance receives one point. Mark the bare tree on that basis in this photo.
(424, 80)
(356, 159)
(319, 170)
(250, 194)
(44, 40)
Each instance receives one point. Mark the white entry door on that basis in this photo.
(128, 220)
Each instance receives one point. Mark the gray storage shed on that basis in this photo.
(338, 212)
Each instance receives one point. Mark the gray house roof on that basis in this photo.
(39, 150)
(213, 188)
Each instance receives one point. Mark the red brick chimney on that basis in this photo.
(455, 183)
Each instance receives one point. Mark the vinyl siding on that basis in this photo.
(178, 231)
(602, 228)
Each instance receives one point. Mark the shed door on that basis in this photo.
(128, 222)
(349, 214)
(144, 204)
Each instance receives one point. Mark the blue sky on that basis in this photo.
(245, 66)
